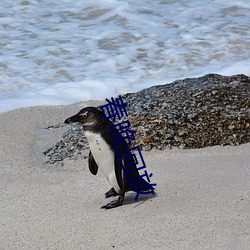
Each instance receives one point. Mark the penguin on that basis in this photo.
(103, 155)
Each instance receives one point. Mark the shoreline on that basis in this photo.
(201, 201)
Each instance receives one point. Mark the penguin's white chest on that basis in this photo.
(104, 157)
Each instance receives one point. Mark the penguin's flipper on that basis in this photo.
(113, 204)
(111, 193)
(118, 170)
(93, 167)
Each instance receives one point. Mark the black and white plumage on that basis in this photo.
(103, 155)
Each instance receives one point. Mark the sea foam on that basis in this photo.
(63, 52)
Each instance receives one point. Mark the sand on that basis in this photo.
(202, 200)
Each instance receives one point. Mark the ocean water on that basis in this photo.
(61, 52)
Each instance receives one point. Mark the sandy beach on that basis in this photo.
(202, 200)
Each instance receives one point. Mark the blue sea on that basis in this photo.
(62, 52)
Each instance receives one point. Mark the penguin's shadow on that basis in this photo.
(130, 199)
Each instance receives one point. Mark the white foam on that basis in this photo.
(63, 52)
(242, 67)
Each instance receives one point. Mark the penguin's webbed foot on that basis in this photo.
(113, 204)
(111, 193)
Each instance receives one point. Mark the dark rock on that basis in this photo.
(190, 113)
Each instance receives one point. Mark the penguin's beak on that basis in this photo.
(74, 118)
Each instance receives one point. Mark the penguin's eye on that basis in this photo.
(84, 115)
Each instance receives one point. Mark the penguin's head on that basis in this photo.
(88, 117)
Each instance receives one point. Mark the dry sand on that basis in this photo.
(202, 201)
